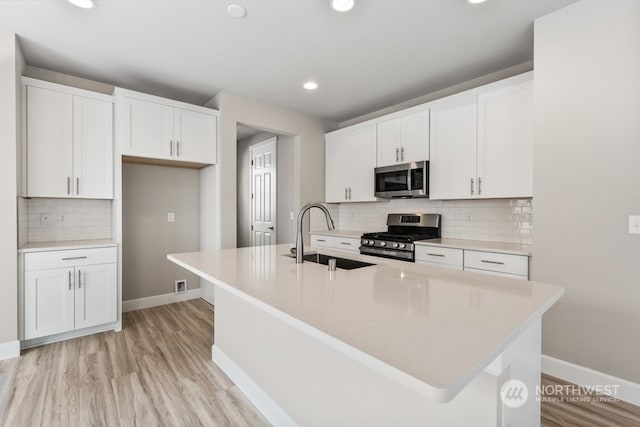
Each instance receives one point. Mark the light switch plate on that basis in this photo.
(171, 217)
(634, 224)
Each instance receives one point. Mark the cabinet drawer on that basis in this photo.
(69, 258)
(500, 263)
(323, 241)
(438, 255)
(496, 273)
(347, 243)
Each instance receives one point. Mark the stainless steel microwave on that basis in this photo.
(407, 180)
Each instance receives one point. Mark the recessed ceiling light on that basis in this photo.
(236, 11)
(342, 5)
(310, 85)
(85, 4)
(476, 1)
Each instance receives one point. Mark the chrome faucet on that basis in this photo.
(299, 243)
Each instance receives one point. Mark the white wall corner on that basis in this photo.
(627, 391)
(154, 301)
(9, 350)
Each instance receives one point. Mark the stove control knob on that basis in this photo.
(402, 245)
(383, 243)
(370, 242)
(396, 245)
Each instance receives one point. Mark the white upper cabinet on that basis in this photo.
(69, 142)
(149, 126)
(453, 148)
(482, 142)
(350, 163)
(92, 148)
(505, 142)
(403, 139)
(157, 128)
(191, 128)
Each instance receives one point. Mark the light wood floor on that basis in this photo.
(158, 372)
(591, 411)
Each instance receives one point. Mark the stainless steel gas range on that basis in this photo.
(402, 231)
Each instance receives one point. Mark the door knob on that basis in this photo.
(270, 228)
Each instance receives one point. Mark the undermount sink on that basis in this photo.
(342, 263)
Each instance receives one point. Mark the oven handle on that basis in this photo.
(405, 255)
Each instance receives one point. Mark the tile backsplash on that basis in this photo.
(495, 220)
(69, 219)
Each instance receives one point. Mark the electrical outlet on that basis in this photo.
(171, 217)
(291, 215)
(181, 286)
(46, 219)
(468, 218)
(634, 224)
(62, 219)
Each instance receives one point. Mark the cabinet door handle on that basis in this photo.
(479, 186)
(74, 257)
(472, 186)
(440, 255)
(397, 154)
(320, 240)
(171, 148)
(77, 186)
(345, 243)
(177, 148)
(345, 193)
(402, 153)
(349, 193)
(491, 262)
(79, 280)
(68, 185)
(69, 280)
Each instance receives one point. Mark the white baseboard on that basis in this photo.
(9, 350)
(263, 403)
(576, 374)
(154, 301)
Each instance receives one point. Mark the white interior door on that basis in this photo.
(264, 199)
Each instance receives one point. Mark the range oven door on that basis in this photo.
(406, 180)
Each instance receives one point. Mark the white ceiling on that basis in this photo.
(381, 53)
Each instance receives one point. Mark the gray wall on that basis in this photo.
(586, 182)
(308, 159)
(285, 228)
(11, 65)
(286, 232)
(148, 194)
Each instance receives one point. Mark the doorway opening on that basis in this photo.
(264, 187)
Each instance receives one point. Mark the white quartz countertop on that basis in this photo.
(66, 245)
(432, 328)
(338, 233)
(500, 247)
(480, 245)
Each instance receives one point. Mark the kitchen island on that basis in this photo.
(395, 343)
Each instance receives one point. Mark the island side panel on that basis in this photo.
(294, 379)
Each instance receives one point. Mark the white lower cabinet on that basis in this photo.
(336, 242)
(442, 257)
(497, 264)
(65, 291)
